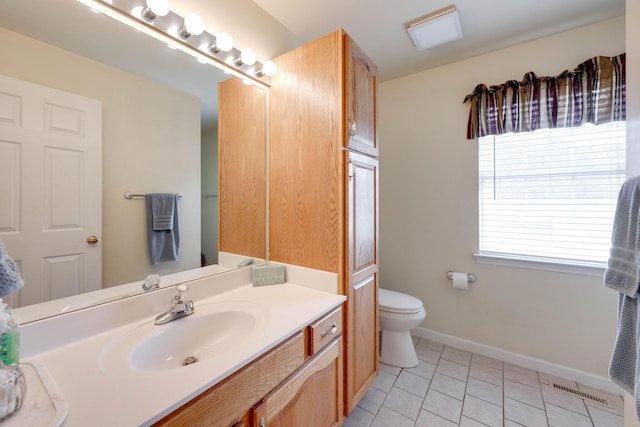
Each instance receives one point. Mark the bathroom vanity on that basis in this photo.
(296, 383)
(280, 363)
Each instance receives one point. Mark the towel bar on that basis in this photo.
(129, 195)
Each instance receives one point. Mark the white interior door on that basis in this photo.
(50, 189)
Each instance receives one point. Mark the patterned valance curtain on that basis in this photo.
(594, 92)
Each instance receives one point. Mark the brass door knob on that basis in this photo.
(92, 240)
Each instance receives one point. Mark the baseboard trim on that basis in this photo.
(533, 363)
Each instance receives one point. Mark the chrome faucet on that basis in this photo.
(179, 307)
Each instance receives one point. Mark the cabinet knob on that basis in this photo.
(262, 422)
(333, 330)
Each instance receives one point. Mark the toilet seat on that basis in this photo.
(396, 302)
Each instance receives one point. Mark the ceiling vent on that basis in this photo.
(434, 29)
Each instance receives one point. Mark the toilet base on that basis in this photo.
(396, 349)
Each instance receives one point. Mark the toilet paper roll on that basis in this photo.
(460, 280)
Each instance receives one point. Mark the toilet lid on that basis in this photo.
(398, 302)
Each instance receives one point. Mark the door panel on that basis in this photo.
(51, 189)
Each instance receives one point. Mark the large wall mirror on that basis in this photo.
(160, 133)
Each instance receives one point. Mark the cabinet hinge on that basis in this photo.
(350, 169)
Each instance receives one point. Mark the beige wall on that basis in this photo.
(429, 213)
(151, 143)
(210, 205)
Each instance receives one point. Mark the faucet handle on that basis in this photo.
(181, 292)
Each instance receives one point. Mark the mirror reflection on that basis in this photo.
(159, 133)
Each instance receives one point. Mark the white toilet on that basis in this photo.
(398, 314)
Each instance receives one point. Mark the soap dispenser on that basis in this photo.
(9, 337)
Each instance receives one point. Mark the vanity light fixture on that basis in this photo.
(153, 9)
(269, 69)
(193, 25)
(154, 18)
(436, 28)
(223, 43)
(247, 57)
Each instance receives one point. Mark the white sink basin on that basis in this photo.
(212, 330)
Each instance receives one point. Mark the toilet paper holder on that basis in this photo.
(471, 278)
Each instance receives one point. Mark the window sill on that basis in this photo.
(557, 266)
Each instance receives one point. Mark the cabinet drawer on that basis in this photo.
(324, 330)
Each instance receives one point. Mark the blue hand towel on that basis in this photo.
(10, 280)
(163, 227)
(162, 211)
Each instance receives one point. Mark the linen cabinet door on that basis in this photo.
(362, 307)
(362, 92)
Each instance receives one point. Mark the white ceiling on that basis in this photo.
(377, 26)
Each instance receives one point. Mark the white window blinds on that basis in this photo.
(551, 194)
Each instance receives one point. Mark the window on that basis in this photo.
(550, 195)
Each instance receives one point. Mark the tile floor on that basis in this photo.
(451, 387)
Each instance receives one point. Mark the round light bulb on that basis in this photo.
(159, 7)
(137, 12)
(269, 68)
(248, 56)
(194, 24)
(224, 42)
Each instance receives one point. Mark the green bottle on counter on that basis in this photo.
(9, 337)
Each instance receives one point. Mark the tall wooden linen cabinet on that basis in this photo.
(323, 184)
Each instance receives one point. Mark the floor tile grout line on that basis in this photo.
(443, 354)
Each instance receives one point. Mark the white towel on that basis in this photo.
(622, 274)
(623, 269)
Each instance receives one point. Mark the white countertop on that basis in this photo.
(99, 398)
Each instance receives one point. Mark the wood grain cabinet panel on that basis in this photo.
(362, 307)
(362, 93)
(242, 154)
(310, 397)
(323, 184)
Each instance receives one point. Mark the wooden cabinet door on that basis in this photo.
(361, 88)
(362, 307)
(311, 397)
